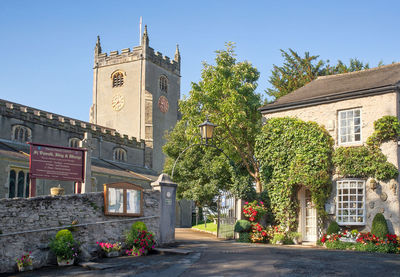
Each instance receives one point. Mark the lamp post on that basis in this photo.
(206, 133)
(207, 130)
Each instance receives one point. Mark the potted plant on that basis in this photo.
(110, 249)
(65, 248)
(139, 240)
(24, 262)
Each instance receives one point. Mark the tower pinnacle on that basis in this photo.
(177, 54)
(145, 37)
(97, 49)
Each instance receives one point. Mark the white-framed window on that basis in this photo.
(349, 126)
(120, 155)
(74, 142)
(164, 83)
(350, 209)
(21, 133)
(18, 183)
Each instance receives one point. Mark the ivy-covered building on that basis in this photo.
(363, 182)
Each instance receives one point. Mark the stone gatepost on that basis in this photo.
(167, 190)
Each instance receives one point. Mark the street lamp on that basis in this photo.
(207, 130)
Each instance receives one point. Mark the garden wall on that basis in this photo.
(38, 213)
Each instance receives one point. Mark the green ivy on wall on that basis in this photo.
(369, 161)
(292, 153)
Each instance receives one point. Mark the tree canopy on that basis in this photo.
(297, 71)
(226, 94)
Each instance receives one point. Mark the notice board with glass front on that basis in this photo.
(123, 199)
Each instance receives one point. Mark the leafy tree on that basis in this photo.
(226, 94)
(297, 71)
(201, 172)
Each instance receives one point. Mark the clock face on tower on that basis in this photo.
(117, 102)
(163, 104)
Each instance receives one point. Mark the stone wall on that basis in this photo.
(21, 214)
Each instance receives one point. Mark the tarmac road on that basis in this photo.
(212, 257)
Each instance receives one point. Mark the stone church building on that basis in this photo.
(135, 101)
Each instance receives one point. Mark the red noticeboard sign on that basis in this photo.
(56, 163)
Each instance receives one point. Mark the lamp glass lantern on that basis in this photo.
(207, 130)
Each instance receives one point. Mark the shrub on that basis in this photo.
(64, 246)
(139, 226)
(244, 237)
(254, 211)
(333, 228)
(143, 242)
(379, 226)
(65, 235)
(242, 226)
(340, 245)
(278, 238)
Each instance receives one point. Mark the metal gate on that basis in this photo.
(226, 215)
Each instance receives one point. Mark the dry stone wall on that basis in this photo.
(21, 214)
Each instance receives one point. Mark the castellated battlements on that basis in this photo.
(35, 116)
(128, 55)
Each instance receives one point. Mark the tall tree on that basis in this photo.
(226, 94)
(297, 71)
(201, 172)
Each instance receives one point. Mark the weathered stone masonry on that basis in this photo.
(21, 214)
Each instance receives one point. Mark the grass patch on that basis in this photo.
(211, 227)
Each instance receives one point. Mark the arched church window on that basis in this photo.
(120, 155)
(74, 142)
(117, 79)
(11, 184)
(21, 133)
(18, 183)
(164, 83)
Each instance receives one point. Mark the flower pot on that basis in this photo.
(57, 191)
(112, 254)
(22, 268)
(62, 262)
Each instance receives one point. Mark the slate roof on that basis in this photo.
(332, 88)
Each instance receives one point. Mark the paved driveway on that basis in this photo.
(219, 258)
(212, 257)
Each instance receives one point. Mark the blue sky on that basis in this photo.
(46, 47)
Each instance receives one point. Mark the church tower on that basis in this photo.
(136, 92)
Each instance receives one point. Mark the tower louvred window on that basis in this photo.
(164, 84)
(118, 79)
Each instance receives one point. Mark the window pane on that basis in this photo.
(342, 115)
(357, 137)
(349, 114)
(357, 121)
(21, 184)
(115, 200)
(27, 185)
(357, 113)
(133, 201)
(11, 185)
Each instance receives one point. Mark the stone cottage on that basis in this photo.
(347, 105)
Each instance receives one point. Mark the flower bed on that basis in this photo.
(354, 240)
